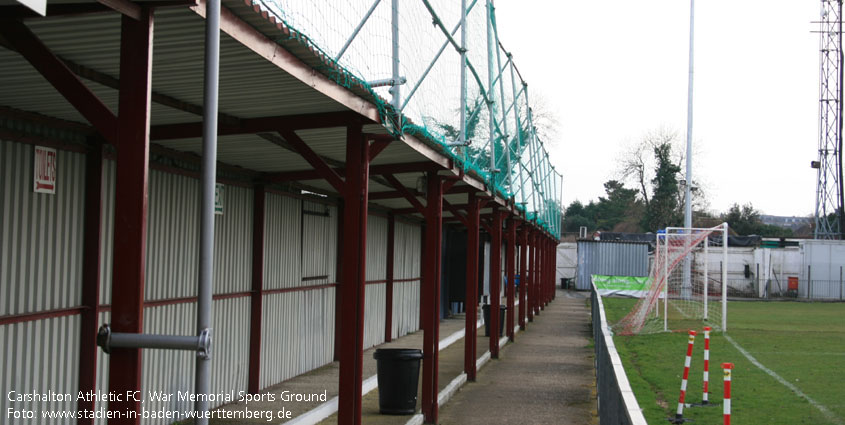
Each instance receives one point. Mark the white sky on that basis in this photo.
(614, 70)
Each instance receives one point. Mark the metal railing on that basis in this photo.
(616, 401)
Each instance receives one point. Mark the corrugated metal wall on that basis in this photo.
(40, 270)
(407, 254)
(41, 234)
(375, 293)
(297, 327)
(610, 258)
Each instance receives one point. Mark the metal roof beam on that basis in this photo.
(27, 44)
(315, 160)
(405, 193)
(259, 125)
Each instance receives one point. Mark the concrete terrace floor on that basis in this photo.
(546, 377)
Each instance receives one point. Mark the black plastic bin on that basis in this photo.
(398, 378)
(486, 311)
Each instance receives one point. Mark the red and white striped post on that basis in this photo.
(726, 403)
(679, 415)
(704, 395)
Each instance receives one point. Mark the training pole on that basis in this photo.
(679, 415)
(704, 395)
(726, 403)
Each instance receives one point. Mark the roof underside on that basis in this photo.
(252, 85)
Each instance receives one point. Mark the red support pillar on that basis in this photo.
(544, 284)
(130, 226)
(529, 268)
(338, 301)
(523, 276)
(510, 250)
(257, 295)
(352, 283)
(388, 299)
(431, 296)
(495, 281)
(553, 266)
(471, 301)
(90, 278)
(535, 278)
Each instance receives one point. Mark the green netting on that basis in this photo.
(503, 148)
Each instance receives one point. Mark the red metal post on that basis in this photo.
(529, 287)
(535, 278)
(257, 295)
(495, 281)
(510, 250)
(544, 267)
(130, 226)
(431, 295)
(90, 279)
(471, 301)
(338, 301)
(354, 270)
(388, 299)
(523, 275)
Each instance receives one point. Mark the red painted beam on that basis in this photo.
(471, 300)
(379, 145)
(352, 284)
(398, 168)
(523, 274)
(61, 78)
(130, 226)
(452, 209)
(415, 203)
(495, 280)
(392, 194)
(431, 296)
(319, 165)
(192, 130)
(510, 251)
(90, 278)
(257, 294)
(388, 299)
(124, 7)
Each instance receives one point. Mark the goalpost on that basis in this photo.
(680, 276)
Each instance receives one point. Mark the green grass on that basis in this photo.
(802, 342)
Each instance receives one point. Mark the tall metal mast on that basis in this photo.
(829, 194)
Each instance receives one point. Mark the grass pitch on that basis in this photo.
(803, 343)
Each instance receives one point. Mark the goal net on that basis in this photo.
(685, 290)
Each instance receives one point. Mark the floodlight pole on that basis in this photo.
(463, 136)
(687, 286)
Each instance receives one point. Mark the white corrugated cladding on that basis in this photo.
(407, 254)
(40, 270)
(297, 326)
(375, 293)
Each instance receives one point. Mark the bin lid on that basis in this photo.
(398, 354)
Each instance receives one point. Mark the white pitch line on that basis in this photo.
(825, 411)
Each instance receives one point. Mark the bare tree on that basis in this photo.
(637, 165)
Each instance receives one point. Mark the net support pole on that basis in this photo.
(463, 135)
(492, 137)
(394, 30)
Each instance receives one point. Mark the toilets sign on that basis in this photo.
(44, 169)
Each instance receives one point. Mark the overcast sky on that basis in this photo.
(614, 70)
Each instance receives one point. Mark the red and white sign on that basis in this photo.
(44, 170)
